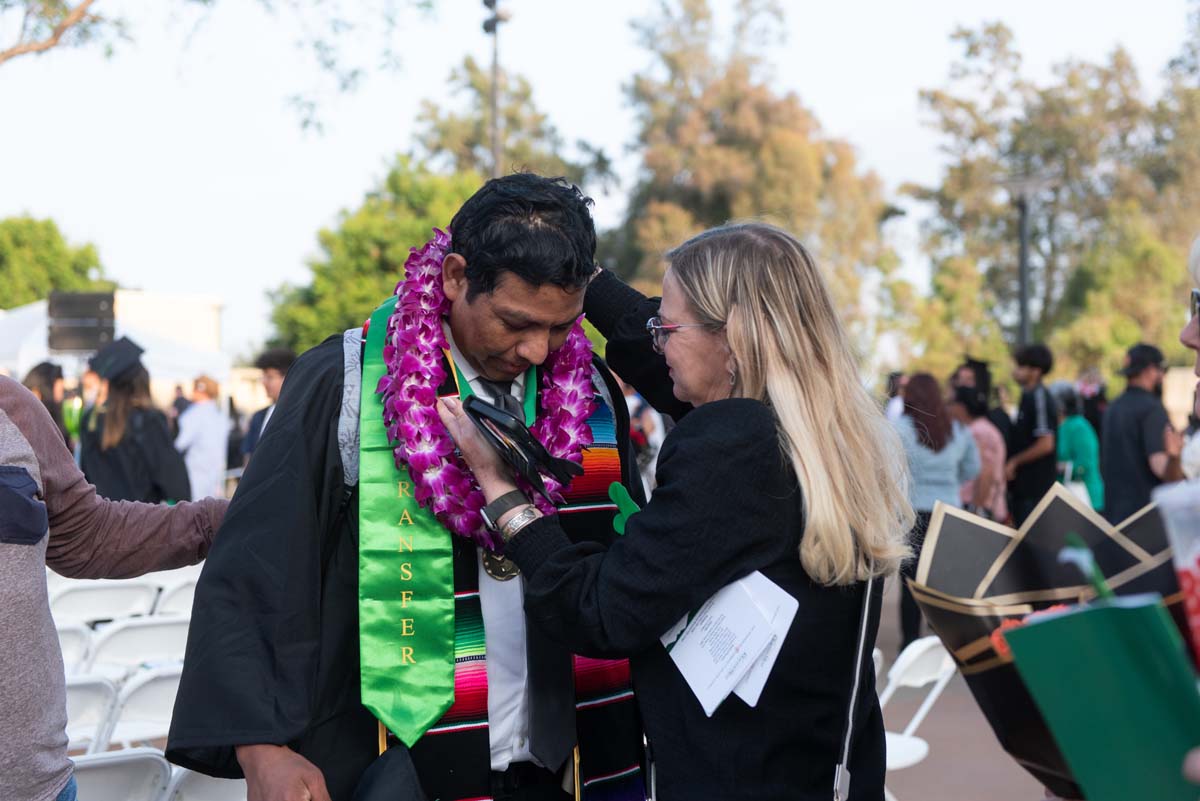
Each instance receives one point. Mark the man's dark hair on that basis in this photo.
(1036, 355)
(537, 228)
(1068, 400)
(276, 359)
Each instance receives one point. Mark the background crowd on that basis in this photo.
(131, 449)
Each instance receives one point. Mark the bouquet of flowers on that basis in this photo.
(976, 579)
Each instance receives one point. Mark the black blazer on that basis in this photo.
(254, 431)
(727, 504)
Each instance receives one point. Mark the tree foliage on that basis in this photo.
(345, 38)
(1117, 182)
(459, 140)
(35, 260)
(718, 143)
(363, 257)
(1127, 291)
(47, 24)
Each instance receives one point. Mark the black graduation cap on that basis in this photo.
(116, 358)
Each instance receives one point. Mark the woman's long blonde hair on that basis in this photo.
(761, 286)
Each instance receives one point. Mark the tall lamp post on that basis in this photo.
(491, 26)
(1022, 188)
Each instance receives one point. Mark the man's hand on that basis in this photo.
(1191, 766)
(1166, 463)
(1172, 442)
(1010, 470)
(277, 773)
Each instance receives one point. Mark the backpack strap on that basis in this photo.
(841, 773)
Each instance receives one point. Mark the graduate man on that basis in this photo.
(354, 603)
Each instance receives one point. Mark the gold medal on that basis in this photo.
(500, 567)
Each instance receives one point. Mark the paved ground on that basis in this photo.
(965, 762)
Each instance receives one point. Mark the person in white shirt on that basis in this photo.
(203, 432)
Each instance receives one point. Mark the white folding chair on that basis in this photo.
(54, 581)
(90, 701)
(142, 712)
(176, 600)
(923, 662)
(126, 645)
(91, 601)
(187, 785)
(74, 640)
(175, 576)
(139, 774)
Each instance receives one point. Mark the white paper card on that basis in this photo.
(715, 647)
(779, 608)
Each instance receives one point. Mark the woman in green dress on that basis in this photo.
(1078, 445)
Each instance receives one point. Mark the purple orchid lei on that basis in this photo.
(412, 353)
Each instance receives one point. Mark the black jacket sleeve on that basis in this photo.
(254, 647)
(620, 312)
(724, 507)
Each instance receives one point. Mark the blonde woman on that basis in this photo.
(781, 463)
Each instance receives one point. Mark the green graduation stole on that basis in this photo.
(405, 569)
(405, 575)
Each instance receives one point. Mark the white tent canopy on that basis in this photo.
(23, 344)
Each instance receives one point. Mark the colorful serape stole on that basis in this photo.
(454, 756)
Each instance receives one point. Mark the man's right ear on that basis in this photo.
(454, 277)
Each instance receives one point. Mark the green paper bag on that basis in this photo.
(1115, 687)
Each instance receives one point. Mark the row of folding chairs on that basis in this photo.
(142, 774)
(90, 601)
(121, 647)
(101, 715)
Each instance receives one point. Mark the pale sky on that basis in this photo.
(180, 160)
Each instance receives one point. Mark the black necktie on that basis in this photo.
(502, 397)
(551, 674)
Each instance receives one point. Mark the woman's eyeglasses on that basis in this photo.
(659, 331)
(1195, 303)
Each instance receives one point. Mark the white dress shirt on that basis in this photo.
(503, 607)
(203, 441)
(266, 419)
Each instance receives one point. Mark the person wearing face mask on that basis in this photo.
(1139, 449)
(781, 462)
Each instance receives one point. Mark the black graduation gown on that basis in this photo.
(143, 466)
(261, 666)
(272, 653)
